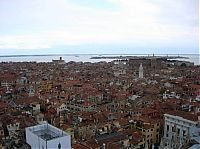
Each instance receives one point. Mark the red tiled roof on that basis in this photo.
(195, 86)
(3, 105)
(88, 104)
(92, 144)
(185, 115)
(80, 146)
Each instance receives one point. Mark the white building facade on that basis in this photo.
(46, 136)
(176, 131)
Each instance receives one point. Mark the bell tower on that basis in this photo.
(141, 71)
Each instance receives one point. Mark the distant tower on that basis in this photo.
(31, 91)
(141, 72)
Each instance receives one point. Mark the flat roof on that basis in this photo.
(47, 132)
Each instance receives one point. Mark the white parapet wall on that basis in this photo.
(46, 136)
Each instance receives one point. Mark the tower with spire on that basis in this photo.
(141, 72)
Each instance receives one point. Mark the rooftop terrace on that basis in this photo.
(47, 132)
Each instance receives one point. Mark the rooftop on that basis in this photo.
(47, 132)
(185, 115)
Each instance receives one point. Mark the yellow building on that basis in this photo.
(138, 141)
(46, 86)
(150, 129)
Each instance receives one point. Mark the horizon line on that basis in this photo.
(26, 55)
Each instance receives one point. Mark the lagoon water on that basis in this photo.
(84, 57)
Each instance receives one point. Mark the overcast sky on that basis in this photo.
(99, 26)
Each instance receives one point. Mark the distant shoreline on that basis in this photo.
(96, 57)
(134, 57)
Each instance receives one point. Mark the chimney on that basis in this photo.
(104, 146)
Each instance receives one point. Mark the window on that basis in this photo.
(178, 130)
(167, 127)
(173, 129)
(156, 136)
(184, 132)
